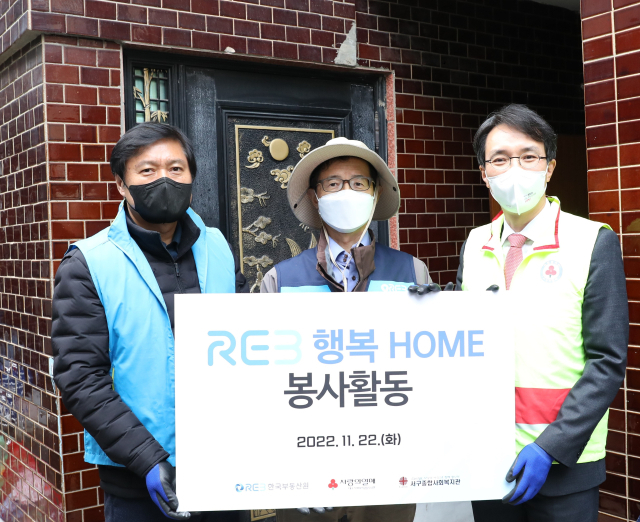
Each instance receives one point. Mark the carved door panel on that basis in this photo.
(249, 132)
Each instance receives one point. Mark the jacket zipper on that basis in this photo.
(178, 277)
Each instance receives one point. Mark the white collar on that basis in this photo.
(336, 249)
(536, 230)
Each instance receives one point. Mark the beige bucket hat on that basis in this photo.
(388, 200)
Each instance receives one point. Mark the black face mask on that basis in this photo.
(161, 201)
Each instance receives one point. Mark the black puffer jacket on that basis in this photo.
(80, 341)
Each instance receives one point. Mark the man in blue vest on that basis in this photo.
(113, 321)
(339, 189)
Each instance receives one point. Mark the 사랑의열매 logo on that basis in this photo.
(333, 484)
(551, 271)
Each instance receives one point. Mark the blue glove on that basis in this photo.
(161, 483)
(529, 470)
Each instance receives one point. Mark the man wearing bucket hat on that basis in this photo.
(340, 188)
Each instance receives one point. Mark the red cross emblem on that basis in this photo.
(333, 484)
(403, 481)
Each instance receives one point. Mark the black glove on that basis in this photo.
(431, 287)
(161, 483)
(305, 511)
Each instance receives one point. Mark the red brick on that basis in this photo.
(64, 152)
(323, 38)
(629, 132)
(63, 113)
(47, 22)
(628, 64)
(236, 43)
(217, 24)
(603, 201)
(598, 48)
(64, 190)
(244, 28)
(59, 212)
(285, 50)
(108, 59)
(600, 114)
(176, 37)
(61, 73)
(82, 133)
(81, 499)
(94, 76)
(259, 47)
(602, 135)
(630, 177)
(332, 24)
(82, 172)
(630, 154)
(259, 13)
(600, 70)
(627, 18)
(629, 109)
(55, 132)
(369, 52)
(284, 17)
(204, 6)
(309, 53)
(163, 17)
(233, 9)
(206, 41)
(115, 30)
(82, 210)
(93, 153)
(599, 92)
(94, 191)
(91, 114)
(192, 21)
(67, 6)
(310, 20)
(596, 26)
(132, 13)
(593, 7)
(81, 95)
(275, 32)
(344, 10)
(79, 56)
(67, 230)
(109, 134)
(146, 34)
(298, 35)
(82, 26)
(109, 96)
(53, 53)
(95, 9)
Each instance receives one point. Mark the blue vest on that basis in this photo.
(141, 344)
(394, 271)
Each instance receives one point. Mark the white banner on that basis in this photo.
(326, 399)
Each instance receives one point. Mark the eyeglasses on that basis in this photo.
(527, 161)
(358, 183)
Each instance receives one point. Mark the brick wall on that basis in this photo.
(83, 118)
(611, 33)
(30, 465)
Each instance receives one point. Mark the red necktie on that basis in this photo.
(514, 257)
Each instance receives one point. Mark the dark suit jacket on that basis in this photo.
(605, 329)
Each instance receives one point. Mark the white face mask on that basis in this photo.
(347, 210)
(518, 190)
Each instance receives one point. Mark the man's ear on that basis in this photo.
(550, 169)
(311, 194)
(484, 176)
(120, 185)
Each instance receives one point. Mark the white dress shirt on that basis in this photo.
(345, 262)
(536, 230)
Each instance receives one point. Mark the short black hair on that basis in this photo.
(144, 135)
(315, 175)
(521, 118)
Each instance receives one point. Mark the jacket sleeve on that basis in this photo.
(460, 268)
(241, 281)
(270, 282)
(80, 340)
(605, 330)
